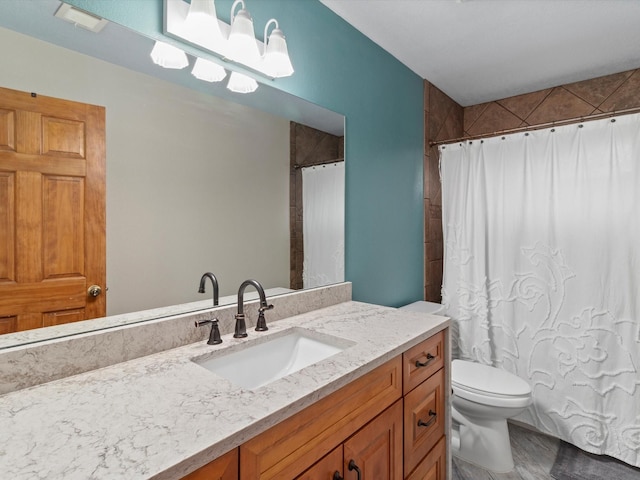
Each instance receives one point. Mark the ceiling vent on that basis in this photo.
(80, 18)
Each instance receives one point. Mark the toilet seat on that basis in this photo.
(489, 385)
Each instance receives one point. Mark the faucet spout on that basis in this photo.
(241, 329)
(214, 282)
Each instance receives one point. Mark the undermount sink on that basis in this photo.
(262, 361)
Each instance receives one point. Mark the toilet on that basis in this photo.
(483, 398)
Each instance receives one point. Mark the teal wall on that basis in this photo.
(340, 69)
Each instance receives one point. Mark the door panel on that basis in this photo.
(62, 137)
(7, 130)
(7, 226)
(63, 222)
(52, 210)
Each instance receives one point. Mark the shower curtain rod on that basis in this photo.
(529, 128)
(326, 162)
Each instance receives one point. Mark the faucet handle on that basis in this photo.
(214, 336)
(261, 324)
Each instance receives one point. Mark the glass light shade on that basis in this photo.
(208, 71)
(242, 46)
(168, 56)
(240, 83)
(276, 59)
(201, 24)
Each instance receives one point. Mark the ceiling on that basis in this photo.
(482, 50)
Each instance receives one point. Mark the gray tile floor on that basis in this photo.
(533, 455)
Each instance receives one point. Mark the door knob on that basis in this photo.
(94, 290)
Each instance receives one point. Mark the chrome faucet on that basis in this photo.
(261, 325)
(214, 281)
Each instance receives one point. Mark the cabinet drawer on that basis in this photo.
(424, 419)
(422, 361)
(433, 467)
(287, 449)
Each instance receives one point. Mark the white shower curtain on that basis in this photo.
(542, 272)
(323, 224)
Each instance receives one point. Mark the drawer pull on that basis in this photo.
(353, 466)
(433, 416)
(337, 476)
(430, 358)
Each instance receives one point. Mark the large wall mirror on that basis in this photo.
(198, 178)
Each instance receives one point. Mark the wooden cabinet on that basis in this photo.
(222, 468)
(375, 451)
(326, 468)
(290, 447)
(425, 410)
(433, 466)
(387, 425)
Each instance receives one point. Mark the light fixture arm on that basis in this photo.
(233, 8)
(266, 28)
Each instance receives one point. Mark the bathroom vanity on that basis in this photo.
(377, 407)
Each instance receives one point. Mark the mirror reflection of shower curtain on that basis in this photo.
(323, 224)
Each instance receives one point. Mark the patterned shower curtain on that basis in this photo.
(542, 273)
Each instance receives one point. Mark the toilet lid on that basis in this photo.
(488, 379)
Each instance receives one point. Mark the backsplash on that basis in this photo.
(32, 364)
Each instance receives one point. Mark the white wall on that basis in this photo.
(194, 183)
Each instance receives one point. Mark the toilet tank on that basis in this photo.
(425, 307)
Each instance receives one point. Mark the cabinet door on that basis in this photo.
(375, 452)
(424, 418)
(433, 467)
(326, 468)
(222, 468)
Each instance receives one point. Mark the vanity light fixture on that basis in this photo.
(201, 25)
(168, 56)
(183, 21)
(208, 71)
(242, 46)
(276, 56)
(240, 83)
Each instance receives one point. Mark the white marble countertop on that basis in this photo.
(162, 416)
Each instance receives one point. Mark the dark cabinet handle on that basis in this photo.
(430, 358)
(337, 476)
(352, 466)
(428, 423)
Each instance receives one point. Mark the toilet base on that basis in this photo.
(484, 443)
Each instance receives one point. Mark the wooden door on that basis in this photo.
(376, 450)
(52, 210)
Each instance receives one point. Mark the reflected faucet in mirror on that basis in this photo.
(261, 325)
(214, 282)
